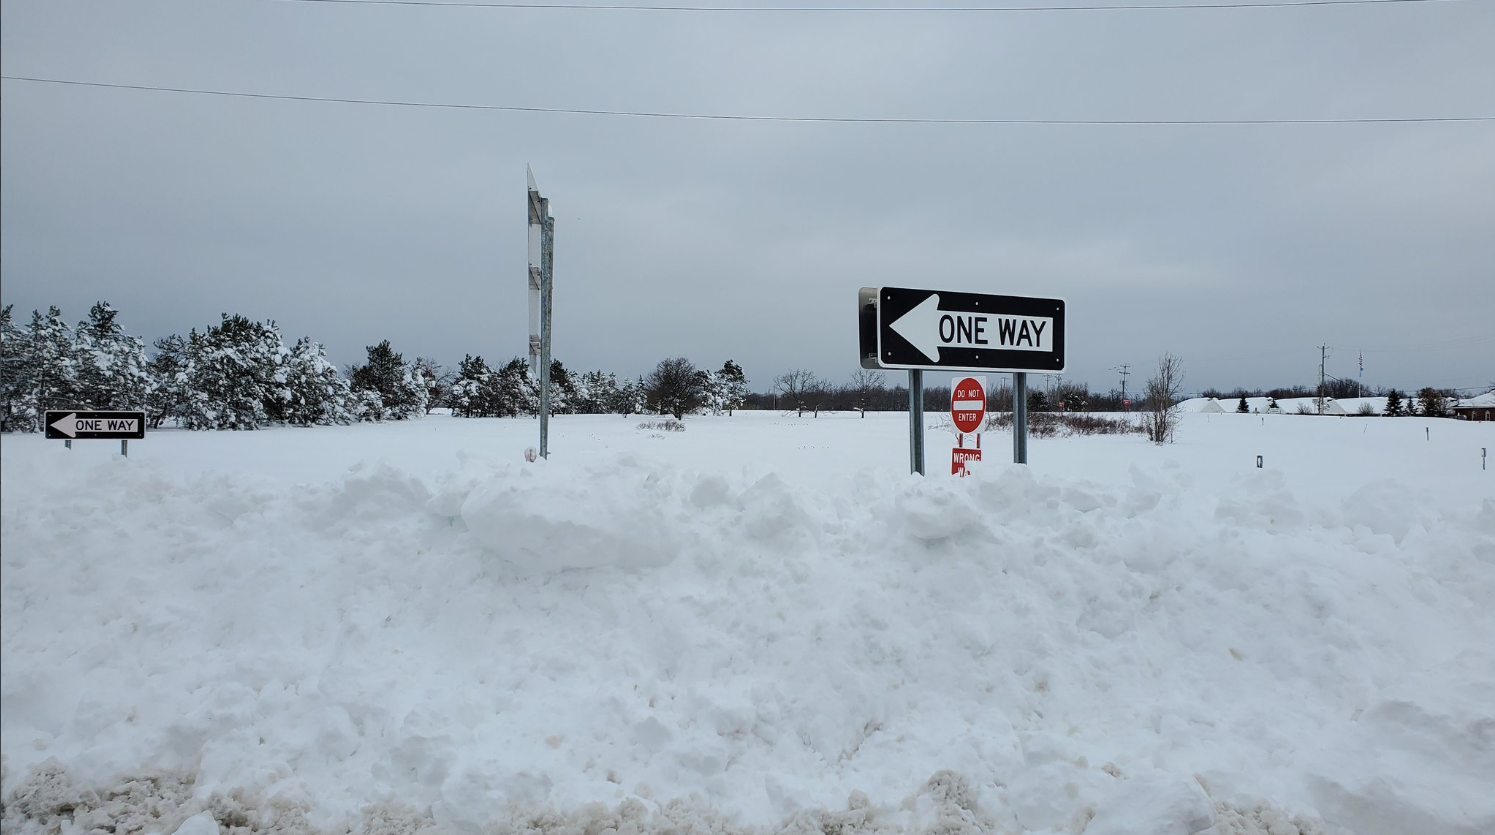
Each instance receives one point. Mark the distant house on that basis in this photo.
(1479, 408)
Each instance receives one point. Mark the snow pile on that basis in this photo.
(639, 645)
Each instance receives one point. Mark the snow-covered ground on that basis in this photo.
(762, 623)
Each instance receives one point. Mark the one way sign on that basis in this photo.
(75, 425)
(934, 329)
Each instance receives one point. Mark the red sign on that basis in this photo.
(958, 458)
(968, 404)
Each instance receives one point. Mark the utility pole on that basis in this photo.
(1124, 373)
(1323, 355)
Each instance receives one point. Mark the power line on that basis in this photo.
(1459, 342)
(624, 7)
(728, 117)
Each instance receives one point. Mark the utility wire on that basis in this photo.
(623, 7)
(651, 114)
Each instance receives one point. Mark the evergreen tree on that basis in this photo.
(436, 380)
(236, 375)
(1393, 403)
(51, 351)
(597, 392)
(475, 391)
(401, 394)
(1431, 402)
(518, 390)
(18, 374)
(562, 389)
(731, 385)
(625, 398)
(168, 392)
(111, 366)
(318, 394)
(1241, 407)
(366, 406)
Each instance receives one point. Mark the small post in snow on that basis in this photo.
(1019, 417)
(1258, 462)
(916, 421)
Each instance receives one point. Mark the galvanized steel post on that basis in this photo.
(916, 421)
(1019, 417)
(547, 283)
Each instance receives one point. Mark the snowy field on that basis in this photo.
(761, 624)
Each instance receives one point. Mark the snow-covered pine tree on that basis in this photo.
(624, 399)
(1241, 407)
(474, 393)
(236, 375)
(436, 380)
(56, 373)
(387, 374)
(319, 395)
(518, 390)
(168, 391)
(111, 365)
(733, 386)
(597, 391)
(17, 377)
(711, 391)
(562, 390)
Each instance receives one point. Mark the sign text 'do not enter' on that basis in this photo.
(968, 404)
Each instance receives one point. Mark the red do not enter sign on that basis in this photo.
(968, 404)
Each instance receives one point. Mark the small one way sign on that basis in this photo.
(101, 426)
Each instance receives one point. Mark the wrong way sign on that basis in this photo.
(76, 425)
(940, 329)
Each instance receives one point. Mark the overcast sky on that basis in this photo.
(1238, 248)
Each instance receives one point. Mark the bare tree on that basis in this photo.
(864, 384)
(1161, 418)
(797, 386)
(675, 387)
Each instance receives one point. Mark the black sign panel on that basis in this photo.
(939, 329)
(77, 425)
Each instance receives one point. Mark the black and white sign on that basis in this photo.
(934, 329)
(99, 426)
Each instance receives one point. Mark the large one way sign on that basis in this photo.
(940, 329)
(102, 426)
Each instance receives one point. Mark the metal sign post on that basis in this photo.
(541, 283)
(1019, 417)
(916, 421)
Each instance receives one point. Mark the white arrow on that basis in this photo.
(66, 426)
(928, 328)
(921, 327)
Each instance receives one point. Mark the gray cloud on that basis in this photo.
(1239, 248)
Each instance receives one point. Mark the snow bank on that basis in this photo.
(504, 644)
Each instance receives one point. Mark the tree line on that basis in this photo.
(240, 374)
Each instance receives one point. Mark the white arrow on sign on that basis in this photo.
(927, 328)
(66, 426)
